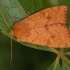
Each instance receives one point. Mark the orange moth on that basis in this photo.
(46, 28)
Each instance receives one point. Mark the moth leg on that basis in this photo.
(35, 46)
(28, 13)
(14, 19)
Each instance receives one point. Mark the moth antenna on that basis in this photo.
(11, 53)
(11, 38)
(5, 20)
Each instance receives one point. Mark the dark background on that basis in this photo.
(24, 58)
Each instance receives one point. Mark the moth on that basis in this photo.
(46, 28)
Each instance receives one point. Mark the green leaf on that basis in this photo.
(55, 65)
(12, 8)
(65, 66)
(32, 6)
(67, 3)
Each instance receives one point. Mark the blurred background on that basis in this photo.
(25, 58)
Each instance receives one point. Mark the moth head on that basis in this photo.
(20, 30)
